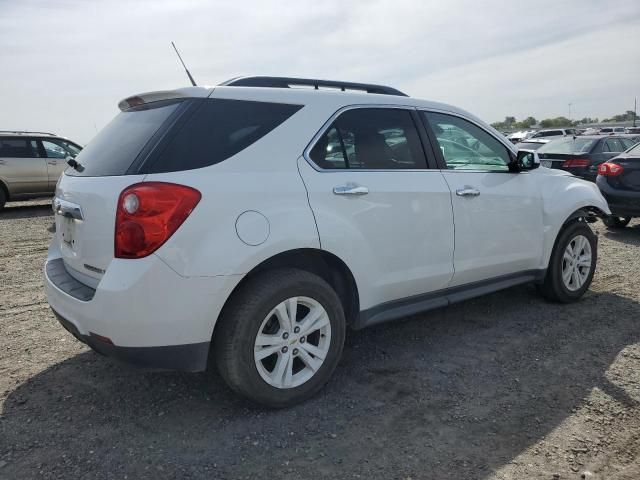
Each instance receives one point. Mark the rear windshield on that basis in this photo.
(568, 145)
(217, 130)
(635, 150)
(530, 145)
(116, 146)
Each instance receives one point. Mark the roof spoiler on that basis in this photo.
(149, 97)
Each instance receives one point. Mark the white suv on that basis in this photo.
(248, 225)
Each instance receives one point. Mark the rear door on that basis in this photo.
(378, 206)
(497, 214)
(22, 168)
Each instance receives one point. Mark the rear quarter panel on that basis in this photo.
(262, 178)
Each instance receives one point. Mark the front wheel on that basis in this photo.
(280, 337)
(616, 222)
(572, 264)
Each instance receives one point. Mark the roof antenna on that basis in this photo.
(193, 82)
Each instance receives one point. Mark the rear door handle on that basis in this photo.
(467, 191)
(52, 162)
(350, 189)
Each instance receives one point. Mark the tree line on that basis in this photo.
(511, 123)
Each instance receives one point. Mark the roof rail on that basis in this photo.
(288, 82)
(25, 131)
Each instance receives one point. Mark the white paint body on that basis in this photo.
(410, 235)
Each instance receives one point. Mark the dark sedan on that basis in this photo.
(582, 155)
(619, 181)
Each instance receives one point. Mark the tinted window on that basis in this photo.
(569, 145)
(628, 142)
(370, 138)
(467, 146)
(218, 130)
(117, 145)
(18, 148)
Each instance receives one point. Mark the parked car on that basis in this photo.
(555, 132)
(31, 163)
(619, 182)
(248, 227)
(633, 130)
(532, 144)
(520, 136)
(612, 130)
(582, 155)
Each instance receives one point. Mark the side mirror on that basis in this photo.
(527, 160)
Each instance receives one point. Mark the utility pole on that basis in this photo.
(635, 110)
(570, 110)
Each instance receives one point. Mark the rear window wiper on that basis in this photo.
(75, 165)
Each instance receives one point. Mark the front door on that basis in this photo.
(378, 207)
(497, 214)
(56, 160)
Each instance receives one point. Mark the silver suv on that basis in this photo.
(31, 163)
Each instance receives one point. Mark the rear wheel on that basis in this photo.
(616, 222)
(3, 198)
(572, 264)
(280, 337)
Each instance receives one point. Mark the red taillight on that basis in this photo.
(148, 214)
(576, 162)
(610, 169)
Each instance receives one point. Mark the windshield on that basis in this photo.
(568, 145)
(117, 145)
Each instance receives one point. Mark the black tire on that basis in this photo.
(553, 287)
(3, 198)
(235, 334)
(616, 222)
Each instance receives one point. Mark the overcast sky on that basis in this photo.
(66, 64)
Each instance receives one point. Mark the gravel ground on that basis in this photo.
(506, 386)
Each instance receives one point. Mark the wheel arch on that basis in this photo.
(5, 189)
(320, 262)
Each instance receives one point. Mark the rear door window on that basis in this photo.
(613, 145)
(216, 131)
(371, 139)
(18, 148)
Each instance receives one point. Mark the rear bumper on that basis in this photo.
(188, 358)
(622, 203)
(141, 311)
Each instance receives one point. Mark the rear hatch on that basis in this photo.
(87, 195)
(154, 134)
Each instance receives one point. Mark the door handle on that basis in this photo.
(350, 189)
(467, 191)
(52, 162)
